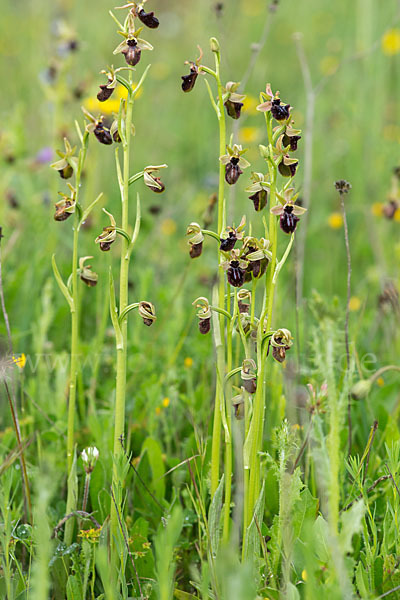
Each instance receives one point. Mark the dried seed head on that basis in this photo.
(219, 7)
(342, 186)
(388, 300)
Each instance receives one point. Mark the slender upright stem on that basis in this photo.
(228, 437)
(74, 345)
(74, 311)
(219, 392)
(119, 423)
(346, 328)
(74, 339)
(265, 323)
(86, 491)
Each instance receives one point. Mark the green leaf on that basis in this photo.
(153, 450)
(63, 288)
(165, 543)
(362, 581)
(252, 534)
(292, 593)
(351, 524)
(74, 588)
(137, 226)
(180, 595)
(320, 534)
(88, 210)
(214, 517)
(72, 500)
(114, 315)
(304, 509)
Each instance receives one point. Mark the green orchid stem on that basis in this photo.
(221, 311)
(211, 234)
(228, 436)
(252, 475)
(136, 177)
(120, 393)
(219, 395)
(74, 306)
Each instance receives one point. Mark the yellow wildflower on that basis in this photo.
(168, 227)
(250, 104)
(380, 381)
(335, 221)
(304, 575)
(165, 402)
(397, 215)
(391, 42)
(354, 304)
(158, 410)
(188, 362)
(19, 360)
(111, 105)
(91, 535)
(377, 209)
(249, 135)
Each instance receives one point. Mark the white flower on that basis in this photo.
(89, 458)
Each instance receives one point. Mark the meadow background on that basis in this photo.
(350, 120)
